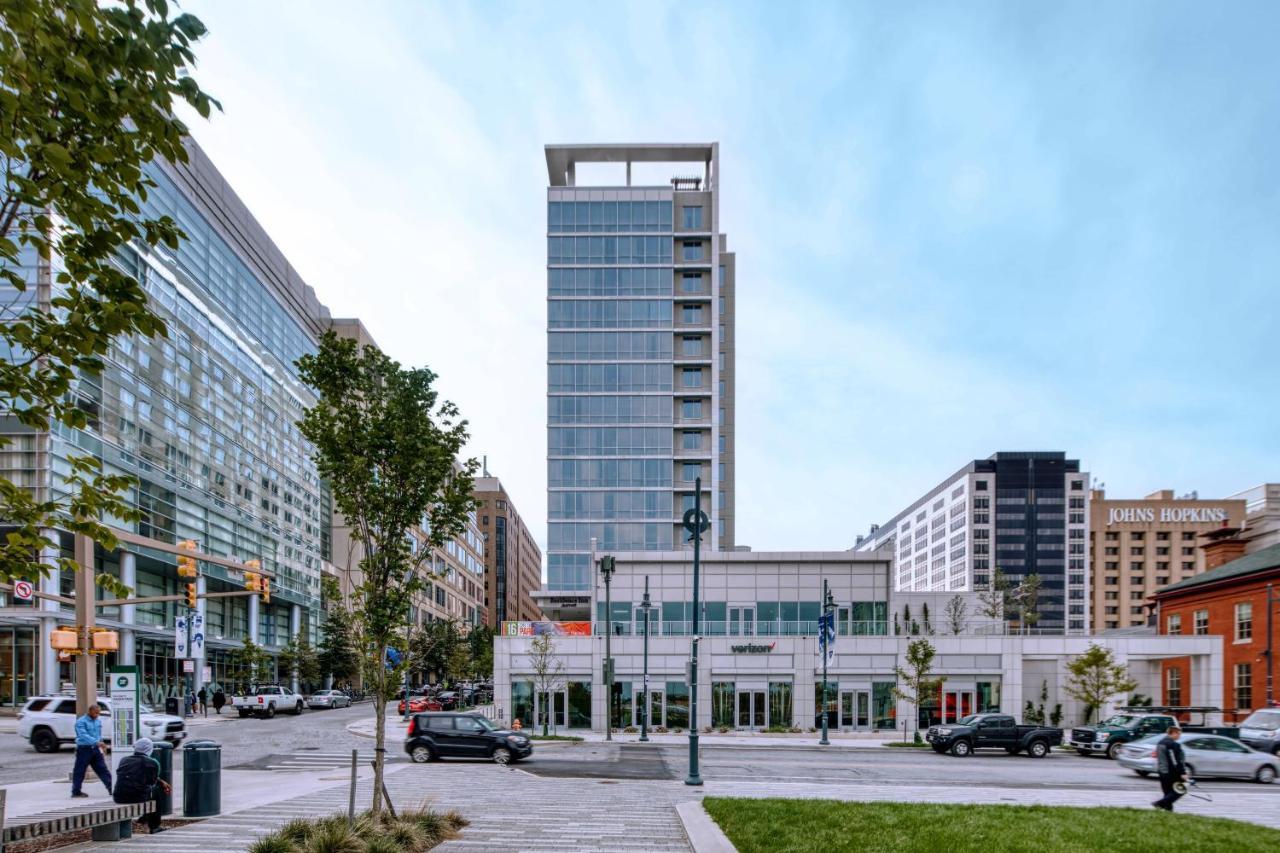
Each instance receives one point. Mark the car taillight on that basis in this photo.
(413, 722)
(1153, 753)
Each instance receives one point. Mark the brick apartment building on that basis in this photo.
(1230, 600)
(513, 561)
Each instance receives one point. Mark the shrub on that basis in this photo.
(416, 829)
(723, 730)
(332, 835)
(662, 730)
(630, 730)
(274, 843)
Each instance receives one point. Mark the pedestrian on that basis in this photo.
(202, 700)
(1171, 764)
(89, 752)
(190, 702)
(137, 778)
(219, 699)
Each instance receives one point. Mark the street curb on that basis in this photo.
(703, 833)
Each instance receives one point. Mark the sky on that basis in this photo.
(960, 228)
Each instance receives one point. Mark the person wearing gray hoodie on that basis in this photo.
(137, 778)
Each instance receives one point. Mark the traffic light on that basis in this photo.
(251, 581)
(187, 564)
(191, 596)
(265, 586)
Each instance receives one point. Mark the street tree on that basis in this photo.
(956, 612)
(1026, 598)
(388, 447)
(88, 92)
(480, 651)
(548, 673)
(249, 664)
(1095, 676)
(916, 682)
(338, 655)
(434, 650)
(993, 599)
(300, 658)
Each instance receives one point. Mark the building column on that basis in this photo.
(295, 628)
(253, 619)
(128, 612)
(50, 584)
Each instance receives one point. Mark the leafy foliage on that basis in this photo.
(339, 655)
(1095, 677)
(994, 600)
(915, 682)
(956, 612)
(1027, 598)
(388, 448)
(249, 664)
(87, 97)
(299, 656)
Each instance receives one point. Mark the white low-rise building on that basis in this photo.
(758, 663)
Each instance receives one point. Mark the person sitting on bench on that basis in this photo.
(136, 780)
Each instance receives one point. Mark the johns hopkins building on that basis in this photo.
(758, 662)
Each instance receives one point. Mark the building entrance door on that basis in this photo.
(652, 703)
(742, 621)
(553, 708)
(752, 711)
(855, 710)
(956, 705)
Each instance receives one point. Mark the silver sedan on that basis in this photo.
(1207, 755)
(329, 699)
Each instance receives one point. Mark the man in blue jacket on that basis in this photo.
(89, 752)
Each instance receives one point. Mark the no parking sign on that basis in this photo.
(22, 590)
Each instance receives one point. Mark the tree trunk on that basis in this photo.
(379, 730)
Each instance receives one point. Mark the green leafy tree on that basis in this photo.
(994, 599)
(338, 655)
(925, 619)
(300, 657)
(1095, 676)
(250, 664)
(480, 651)
(388, 447)
(1026, 597)
(956, 611)
(87, 98)
(916, 682)
(433, 650)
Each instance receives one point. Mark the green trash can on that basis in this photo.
(163, 754)
(201, 779)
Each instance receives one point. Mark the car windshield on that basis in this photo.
(969, 720)
(484, 722)
(1266, 720)
(1124, 721)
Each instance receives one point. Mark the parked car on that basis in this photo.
(446, 735)
(418, 705)
(1262, 730)
(448, 700)
(268, 700)
(1207, 755)
(993, 731)
(48, 722)
(1130, 726)
(329, 699)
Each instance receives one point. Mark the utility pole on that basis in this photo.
(86, 661)
(695, 521)
(645, 606)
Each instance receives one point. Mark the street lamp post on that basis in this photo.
(696, 522)
(606, 568)
(828, 608)
(645, 607)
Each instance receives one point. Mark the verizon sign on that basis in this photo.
(1167, 514)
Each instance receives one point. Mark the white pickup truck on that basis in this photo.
(267, 701)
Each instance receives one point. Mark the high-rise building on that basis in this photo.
(640, 357)
(1262, 521)
(1021, 512)
(513, 561)
(1138, 546)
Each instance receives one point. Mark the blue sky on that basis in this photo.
(960, 228)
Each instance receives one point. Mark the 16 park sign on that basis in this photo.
(1167, 514)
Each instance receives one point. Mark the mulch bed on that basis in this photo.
(57, 842)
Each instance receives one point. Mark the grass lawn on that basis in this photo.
(906, 744)
(573, 738)
(756, 826)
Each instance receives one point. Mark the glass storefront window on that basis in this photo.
(722, 693)
(677, 705)
(833, 704)
(579, 704)
(17, 665)
(522, 702)
(884, 708)
(988, 697)
(621, 705)
(781, 710)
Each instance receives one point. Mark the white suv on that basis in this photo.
(48, 722)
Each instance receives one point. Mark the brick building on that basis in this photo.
(1229, 600)
(513, 561)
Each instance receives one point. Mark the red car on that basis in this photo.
(418, 705)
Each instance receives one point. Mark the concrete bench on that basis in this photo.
(110, 822)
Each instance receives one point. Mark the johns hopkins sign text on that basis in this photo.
(1166, 514)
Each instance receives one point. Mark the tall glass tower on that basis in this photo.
(640, 353)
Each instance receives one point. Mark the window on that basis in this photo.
(1201, 620)
(691, 282)
(980, 486)
(691, 440)
(1188, 536)
(1244, 687)
(690, 346)
(690, 471)
(692, 377)
(691, 315)
(1244, 622)
(691, 217)
(1173, 687)
(691, 251)
(691, 409)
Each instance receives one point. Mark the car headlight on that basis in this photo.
(1102, 736)
(516, 739)
(944, 731)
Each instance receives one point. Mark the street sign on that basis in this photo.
(189, 665)
(123, 689)
(206, 674)
(180, 638)
(22, 590)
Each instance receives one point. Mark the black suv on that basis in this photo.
(444, 735)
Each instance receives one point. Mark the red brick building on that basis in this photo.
(1229, 600)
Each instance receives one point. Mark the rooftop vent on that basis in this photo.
(686, 183)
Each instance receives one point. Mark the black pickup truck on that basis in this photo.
(992, 731)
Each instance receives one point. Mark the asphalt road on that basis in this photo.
(248, 742)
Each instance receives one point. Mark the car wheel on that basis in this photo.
(44, 740)
(1266, 774)
(502, 756)
(1113, 750)
(961, 749)
(422, 754)
(1143, 773)
(1083, 752)
(297, 709)
(270, 712)
(1037, 749)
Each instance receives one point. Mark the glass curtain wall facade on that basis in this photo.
(639, 362)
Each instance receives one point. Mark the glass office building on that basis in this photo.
(640, 358)
(205, 420)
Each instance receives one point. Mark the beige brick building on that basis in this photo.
(1138, 546)
(512, 559)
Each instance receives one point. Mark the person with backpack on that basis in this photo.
(137, 778)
